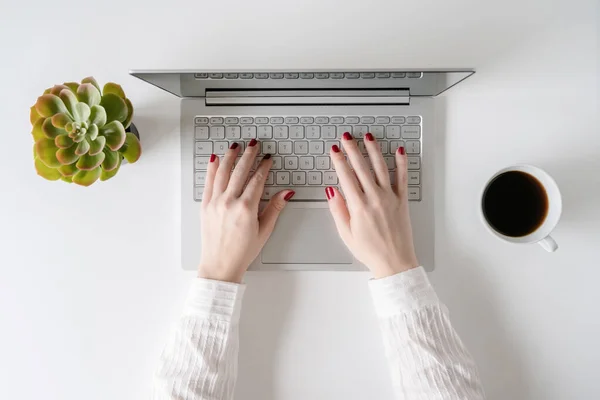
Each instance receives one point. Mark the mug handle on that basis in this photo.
(548, 244)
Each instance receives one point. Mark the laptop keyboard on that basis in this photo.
(300, 148)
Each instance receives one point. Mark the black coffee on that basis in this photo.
(515, 203)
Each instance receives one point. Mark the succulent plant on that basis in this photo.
(80, 132)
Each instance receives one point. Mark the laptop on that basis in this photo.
(297, 116)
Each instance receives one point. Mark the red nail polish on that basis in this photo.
(369, 137)
(401, 150)
(267, 156)
(335, 148)
(329, 192)
(347, 136)
(213, 157)
(234, 146)
(289, 195)
(252, 143)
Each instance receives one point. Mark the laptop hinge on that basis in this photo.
(307, 97)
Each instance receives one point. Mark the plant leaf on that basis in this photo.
(60, 120)
(72, 85)
(112, 160)
(70, 101)
(46, 152)
(63, 141)
(107, 174)
(48, 104)
(113, 88)
(115, 107)
(115, 134)
(86, 178)
(82, 148)
(37, 131)
(46, 172)
(68, 170)
(98, 116)
(67, 179)
(88, 94)
(57, 89)
(96, 146)
(82, 112)
(129, 113)
(132, 149)
(33, 115)
(50, 130)
(90, 79)
(67, 156)
(92, 132)
(88, 162)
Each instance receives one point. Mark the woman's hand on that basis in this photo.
(233, 231)
(373, 221)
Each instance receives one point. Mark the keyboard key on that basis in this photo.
(414, 177)
(201, 120)
(382, 75)
(352, 120)
(414, 193)
(277, 162)
(285, 147)
(341, 129)
(246, 76)
(383, 146)
(411, 132)
(330, 178)
(315, 147)
(246, 120)
(301, 147)
(313, 132)
(414, 74)
(302, 193)
(261, 75)
(217, 132)
(322, 75)
(215, 76)
(291, 120)
(198, 192)
(322, 120)
(269, 147)
(398, 120)
(201, 76)
(329, 144)
(413, 120)
(299, 178)
(231, 120)
(249, 132)
(262, 120)
(336, 75)
(280, 132)
(290, 163)
(265, 132)
(392, 132)
(291, 75)
(230, 76)
(306, 75)
(276, 75)
(377, 131)
(398, 74)
(361, 146)
(359, 131)
(413, 147)
(393, 178)
(322, 162)
(328, 132)
(204, 148)
(307, 163)
(201, 163)
(277, 120)
(282, 178)
(216, 120)
(382, 120)
(336, 120)
(307, 120)
(367, 120)
(352, 75)
(221, 147)
(201, 132)
(315, 178)
(394, 144)
(200, 178)
(233, 132)
(270, 178)
(296, 132)
(414, 163)
(367, 75)
(390, 162)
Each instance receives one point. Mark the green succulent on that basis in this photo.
(80, 132)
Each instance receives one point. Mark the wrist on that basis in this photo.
(216, 272)
(388, 269)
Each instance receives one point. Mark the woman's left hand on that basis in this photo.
(233, 230)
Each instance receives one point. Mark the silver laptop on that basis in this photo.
(297, 116)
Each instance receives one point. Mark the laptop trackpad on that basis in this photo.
(305, 236)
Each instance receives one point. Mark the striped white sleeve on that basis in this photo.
(200, 359)
(426, 357)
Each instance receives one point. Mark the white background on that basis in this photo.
(90, 280)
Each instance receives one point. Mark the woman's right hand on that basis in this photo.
(373, 221)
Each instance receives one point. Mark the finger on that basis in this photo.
(380, 168)
(256, 185)
(339, 211)
(348, 180)
(361, 168)
(401, 172)
(224, 172)
(268, 217)
(211, 171)
(242, 169)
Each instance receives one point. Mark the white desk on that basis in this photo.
(91, 283)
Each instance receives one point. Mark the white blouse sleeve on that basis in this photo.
(426, 357)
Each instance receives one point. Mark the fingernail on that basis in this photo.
(347, 136)
(289, 195)
(335, 148)
(213, 157)
(329, 192)
(369, 137)
(401, 150)
(267, 156)
(234, 146)
(252, 143)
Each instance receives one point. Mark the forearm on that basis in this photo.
(199, 361)
(427, 358)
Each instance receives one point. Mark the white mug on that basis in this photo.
(541, 234)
